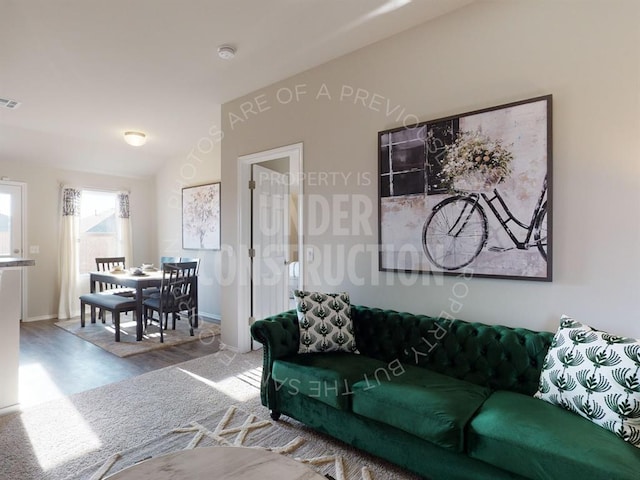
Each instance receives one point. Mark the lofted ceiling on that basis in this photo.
(84, 71)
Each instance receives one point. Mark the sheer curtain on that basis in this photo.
(123, 228)
(69, 306)
(72, 283)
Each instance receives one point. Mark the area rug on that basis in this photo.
(234, 427)
(58, 438)
(76, 436)
(103, 335)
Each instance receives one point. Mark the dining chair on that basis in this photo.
(151, 291)
(195, 284)
(113, 264)
(164, 260)
(190, 259)
(176, 295)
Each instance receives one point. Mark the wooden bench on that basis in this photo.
(115, 304)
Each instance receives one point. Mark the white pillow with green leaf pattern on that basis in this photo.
(595, 375)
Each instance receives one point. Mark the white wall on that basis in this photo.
(586, 54)
(155, 207)
(43, 223)
(201, 165)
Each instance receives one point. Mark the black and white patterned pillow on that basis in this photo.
(596, 375)
(325, 322)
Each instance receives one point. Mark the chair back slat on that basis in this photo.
(176, 289)
(106, 264)
(189, 260)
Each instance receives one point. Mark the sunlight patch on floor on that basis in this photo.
(131, 334)
(36, 386)
(55, 441)
(123, 333)
(241, 387)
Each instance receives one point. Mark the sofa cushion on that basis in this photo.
(327, 377)
(541, 441)
(427, 404)
(494, 356)
(325, 323)
(595, 375)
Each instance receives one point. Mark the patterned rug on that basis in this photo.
(103, 335)
(237, 428)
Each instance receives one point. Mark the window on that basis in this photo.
(98, 229)
(410, 158)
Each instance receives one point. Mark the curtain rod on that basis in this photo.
(102, 189)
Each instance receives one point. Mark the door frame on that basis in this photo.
(23, 222)
(294, 153)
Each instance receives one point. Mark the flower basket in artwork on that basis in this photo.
(475, 162)
(476, 181)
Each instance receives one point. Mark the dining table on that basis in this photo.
(138, 280)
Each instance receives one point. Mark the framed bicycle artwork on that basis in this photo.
(469, 194)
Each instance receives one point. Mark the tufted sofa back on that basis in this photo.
(499, 357)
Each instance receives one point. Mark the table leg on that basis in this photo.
(139, 316)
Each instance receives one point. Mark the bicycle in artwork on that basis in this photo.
(457, 229)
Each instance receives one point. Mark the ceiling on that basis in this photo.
(85, 71)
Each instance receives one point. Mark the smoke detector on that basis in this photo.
(226, 52)
(9, 104)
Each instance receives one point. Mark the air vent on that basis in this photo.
(10, 104)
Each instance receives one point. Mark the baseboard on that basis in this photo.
(10, 409)
(212, 316)
(41, 317)
(232, 349)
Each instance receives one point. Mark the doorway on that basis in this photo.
(271, 219)
(12, 208)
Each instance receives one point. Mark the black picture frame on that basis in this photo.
(469, 194)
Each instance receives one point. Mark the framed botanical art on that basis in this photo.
(201, 217)
(469, 194)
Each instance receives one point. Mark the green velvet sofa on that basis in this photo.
(446, 399)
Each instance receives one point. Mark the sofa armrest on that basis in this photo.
(279, 333)
(280, 337)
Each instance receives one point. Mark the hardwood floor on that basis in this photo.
(55, 363)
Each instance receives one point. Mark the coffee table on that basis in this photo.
(219, 463)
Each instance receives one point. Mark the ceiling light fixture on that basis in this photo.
(226, 52)
(135, 138)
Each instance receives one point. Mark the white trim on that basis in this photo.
(10, 409)
(41, 317)
(54, 316)
(212, 316)
(294, 154)
(229, 348)
(23, 236)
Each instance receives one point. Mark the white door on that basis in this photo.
(270, 242)
(11, 222)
